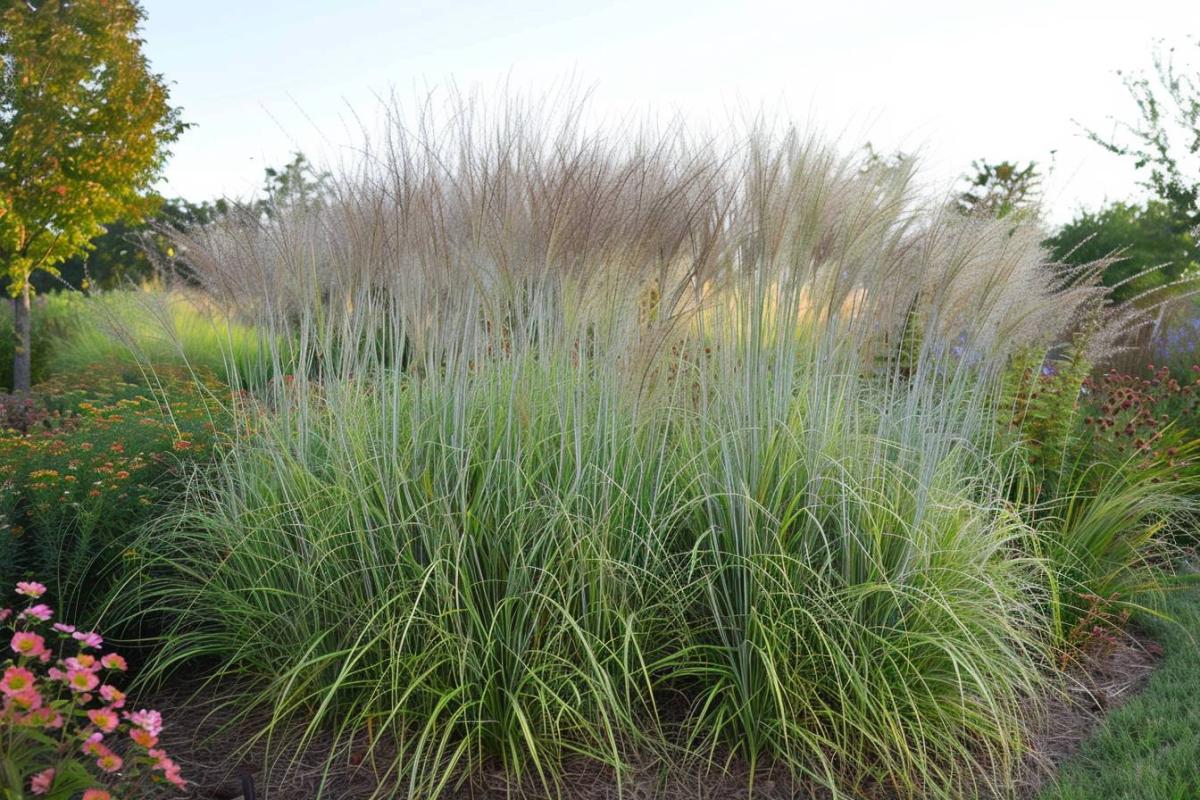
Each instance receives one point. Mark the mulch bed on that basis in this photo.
(215, 760)
(1091, 690)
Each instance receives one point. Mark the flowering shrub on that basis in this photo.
(64, 727)
(1105, 470)
(1067, 420)
(72, 492)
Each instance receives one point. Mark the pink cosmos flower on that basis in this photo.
(41, 612)
(175, 777)
(114, 661)
(104, 718)
(45, 717)
(113, 696)
(31, 588)
(81, 680)
(143, 737)
(149, 721)
(96, 794)
(16, 680)
(42, 781)
(109, 761)
(5, 613)
(93, 745)
(56, 674)
(170, 770)
(83, 662)
(88, 639)
(28, 644)
(63, 628)
(28, 700)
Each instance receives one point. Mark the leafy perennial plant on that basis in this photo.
(64, 726)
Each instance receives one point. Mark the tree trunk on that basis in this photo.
(22, 368)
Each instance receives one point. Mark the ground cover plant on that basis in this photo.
(582, 448)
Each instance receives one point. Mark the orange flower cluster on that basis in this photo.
(92, 468)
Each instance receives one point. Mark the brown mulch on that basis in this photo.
(1091, 690)
(215, 761)
(215, 757)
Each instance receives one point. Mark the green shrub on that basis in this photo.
(1108, 536)
(1106, 470)
(1040, 431)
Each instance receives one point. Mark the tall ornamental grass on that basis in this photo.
(615, 448)
(136, 331)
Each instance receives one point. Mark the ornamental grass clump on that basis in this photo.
(623, 448)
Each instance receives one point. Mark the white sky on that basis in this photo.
(954, 80)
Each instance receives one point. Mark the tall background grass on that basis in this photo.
(581, 447)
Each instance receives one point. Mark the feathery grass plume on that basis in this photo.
(581, 422)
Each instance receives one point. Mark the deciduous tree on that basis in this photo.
(997, 190)
(84, 130)
(1164, 140)
(1155, 251)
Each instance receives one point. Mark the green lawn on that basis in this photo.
(1149, 748)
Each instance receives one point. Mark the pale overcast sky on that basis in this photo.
(956, 80)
